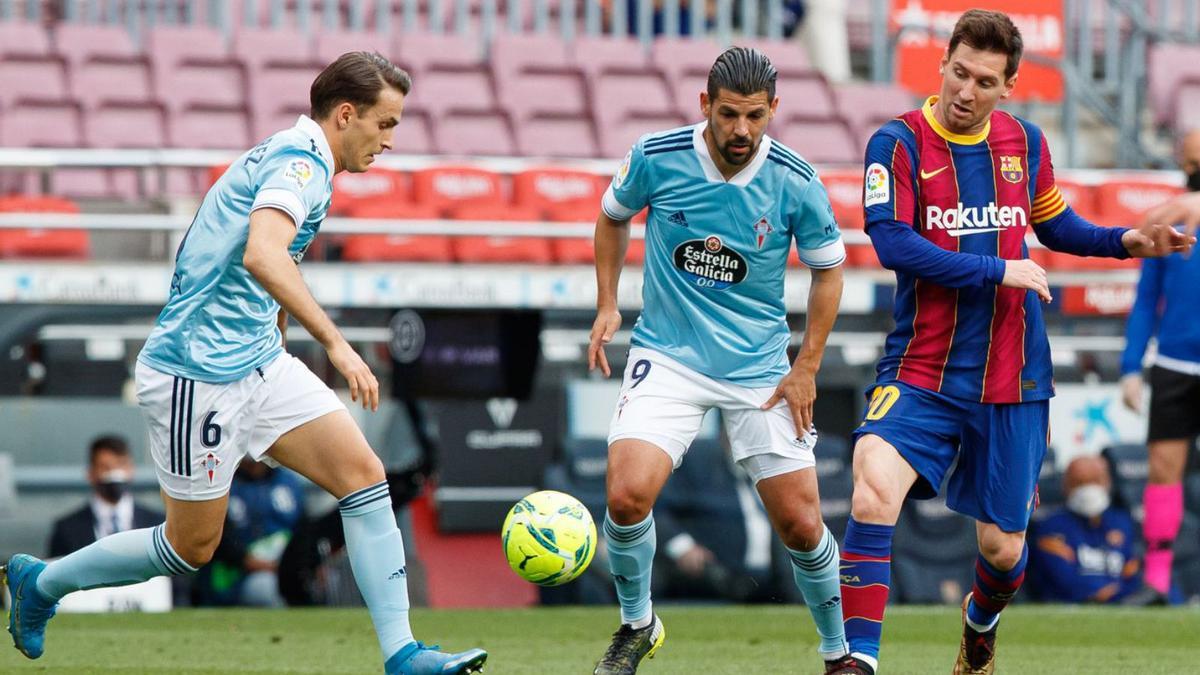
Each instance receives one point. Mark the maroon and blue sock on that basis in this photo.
(993, 590)
(866, 577)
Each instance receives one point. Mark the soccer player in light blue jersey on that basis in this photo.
(215, 383)
(726, 201)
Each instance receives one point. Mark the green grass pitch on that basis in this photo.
(707, 640)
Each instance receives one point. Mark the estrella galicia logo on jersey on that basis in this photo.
(1010, 168)
(678, 218)
(299, 171)
(709, 263)
(761, 229)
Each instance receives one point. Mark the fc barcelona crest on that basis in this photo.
(1010, 168)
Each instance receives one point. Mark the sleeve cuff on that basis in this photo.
(994, 274)
(615, 209)
(1122, 253)
(825, 257)
(284, 200)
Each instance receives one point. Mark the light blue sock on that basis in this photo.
(117, 560)
(631, 557)
(816, 574)
(376, 553)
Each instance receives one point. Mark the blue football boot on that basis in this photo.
(30, 609)
(417, 659)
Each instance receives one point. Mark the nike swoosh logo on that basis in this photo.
(963, 233)
(926, 175)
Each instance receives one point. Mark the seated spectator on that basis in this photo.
(111, 508)
(265, 507)
(1084, 552)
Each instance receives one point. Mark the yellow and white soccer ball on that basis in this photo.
(549, 538)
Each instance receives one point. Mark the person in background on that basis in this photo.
(1084, 552)
(1166, 307)
(265, 507)
(111, 508)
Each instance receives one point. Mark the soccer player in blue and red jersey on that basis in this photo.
(951, 189)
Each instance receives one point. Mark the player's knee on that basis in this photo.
(363, 471)
(875, 501)
(197, 548)
(628, 505)
(1003, 551)
(803, 531)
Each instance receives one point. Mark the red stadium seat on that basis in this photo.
(557, 136)
(845, 188)
(279, 94)
(445, 187)
(617, 138)
(804, 93)
(500, 249)
(46, 125)
(193, 69)
(332, 44)
(441, 91)
(1081, 198)
(558, 93)
(620, 96)
(125, 126)
(867, 106)
(391, 247)
(218, 128)
(514, 54)
(558, 190)
(677, 57)
(354, 191)
(1122, 202)
(595, 55)
(422, 51)
(32, 79)
(35, 243)
(582, 251)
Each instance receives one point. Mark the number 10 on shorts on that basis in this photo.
(882, 400)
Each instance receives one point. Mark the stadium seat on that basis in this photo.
(1122, 202)
(352, 191)
(23, 39)
(421, 51)
(1167, 66)
(475, 133)
(785, 55)
(442, 91)
(1081, 198)
(821, 141)
(192, 68)
(414, 134)
(678, 57)
(862, 256)
(867, 106)
(217, 128)
(596, 55)
(618, 96)
(104, 65)
(617, 138)
(1130, 467)
(374, 202)
(332, 44)
(500, 249)
(261, 48)
(583, 252)
(36, 243)
(279, 94)
(845, 188)
(445, 187)
(514, 54)
(932, 563)
(125, 126)
(32, 79)
(38, 124)
(547, 93)
(804, 94)
(686, 91)
(557, 136)
(557, 190)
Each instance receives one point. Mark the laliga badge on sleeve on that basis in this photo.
(877, 185)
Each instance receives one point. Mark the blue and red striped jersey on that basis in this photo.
(969, 194)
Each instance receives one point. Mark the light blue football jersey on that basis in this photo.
(716, 250)
(219, 323)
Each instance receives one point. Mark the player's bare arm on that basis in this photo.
(266, 257)
(611, 241)
(799, 386)
(1028, 275)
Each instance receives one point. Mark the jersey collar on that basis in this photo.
(311, 128)
(961, 139)
(713, 174)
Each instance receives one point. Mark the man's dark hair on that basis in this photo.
(356, 78)
(990, 32)
(742, 70)
(111, 443)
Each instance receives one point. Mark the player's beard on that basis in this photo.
(733, 159)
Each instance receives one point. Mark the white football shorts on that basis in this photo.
(199, 432)
(663, 402)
